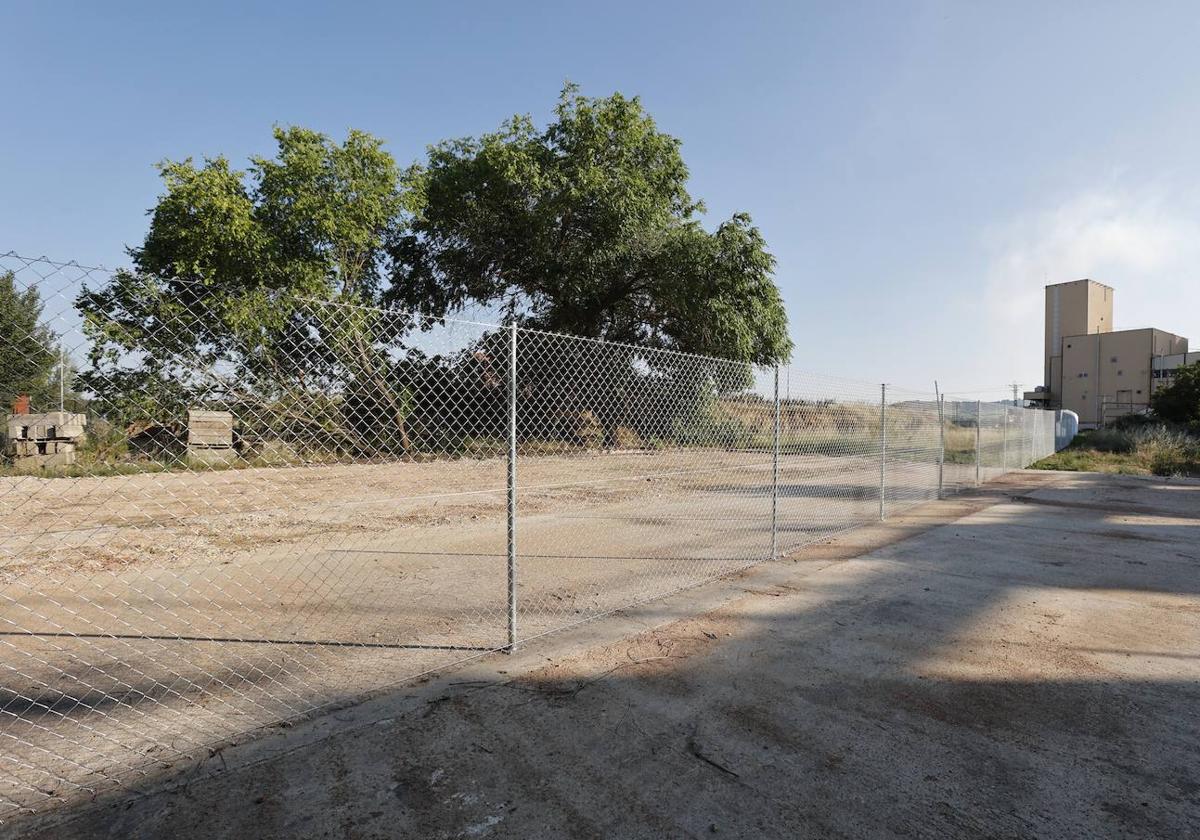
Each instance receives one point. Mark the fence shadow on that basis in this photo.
(1017, 672)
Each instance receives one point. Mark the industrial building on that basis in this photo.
(1096, 371)
(1165, 366)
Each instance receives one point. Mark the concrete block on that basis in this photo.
(46, 426)
(23, 448)
(212, 456)
(36, 463)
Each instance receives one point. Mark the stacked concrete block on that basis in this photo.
(44, 440)
(210, 437)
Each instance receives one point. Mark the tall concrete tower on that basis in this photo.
(1080, 307)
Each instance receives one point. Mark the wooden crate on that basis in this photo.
(210, 429)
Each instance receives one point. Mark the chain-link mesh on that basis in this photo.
(203, 534)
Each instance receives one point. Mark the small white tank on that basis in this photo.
(1066, 426)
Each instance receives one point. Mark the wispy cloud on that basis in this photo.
(1141, 243)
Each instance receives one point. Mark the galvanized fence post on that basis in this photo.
(1027, 436)
(775, 476)
(941, 445)
(1005, 451)
(512, 488)
(882, 451)
(978, 436)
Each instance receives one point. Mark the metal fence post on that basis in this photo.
(978, 436)
(941, 445)
(1005, 451)
(512, 488)
(775, 476)
(882, 451)
(1027, 436)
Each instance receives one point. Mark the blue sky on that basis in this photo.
(920, 170)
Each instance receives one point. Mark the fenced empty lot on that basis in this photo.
(1015, 662)
(397, 495)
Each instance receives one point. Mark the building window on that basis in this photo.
(1113, 360)
(1120, 373)
(1068, 346)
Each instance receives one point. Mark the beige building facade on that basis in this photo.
(1090, 368)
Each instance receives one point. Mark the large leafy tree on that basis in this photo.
(1179, 402)
(229, 283)
(284, 286)
(29, 358)
(587, 227)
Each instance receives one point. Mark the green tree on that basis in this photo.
(29, 358)
(587, 227)
(1179, 402)
(220, 300)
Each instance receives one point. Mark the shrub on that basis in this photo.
(1134, 421)
(626, 438)
(589, 431)
(1111, 440)
(1169, 451)
(1157, 448)
(1179, 402)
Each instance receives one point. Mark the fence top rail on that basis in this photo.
(30, 261)
(895, 393)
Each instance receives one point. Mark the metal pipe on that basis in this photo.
(775, 477)
(1004, 456)
(978, 428)
(882, 452)
(512, 489)
(941, 440)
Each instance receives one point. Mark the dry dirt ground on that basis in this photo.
(1013, 663)
(150, 615)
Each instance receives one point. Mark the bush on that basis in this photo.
(589, 431)
(1179, 402)
(1169, 451)
(1111, 440)
(1157, 448)
(1134, 421)
(626, 438)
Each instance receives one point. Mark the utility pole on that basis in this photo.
(1016, 387)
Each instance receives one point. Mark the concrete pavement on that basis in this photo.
(1023, 662)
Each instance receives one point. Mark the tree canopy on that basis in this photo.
(231, 260)
(1179, 402)
(587, 227)
(30, 359)
(298, 278)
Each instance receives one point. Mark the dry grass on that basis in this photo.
(1146, 450)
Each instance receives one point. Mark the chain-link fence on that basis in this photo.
(203, 533)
